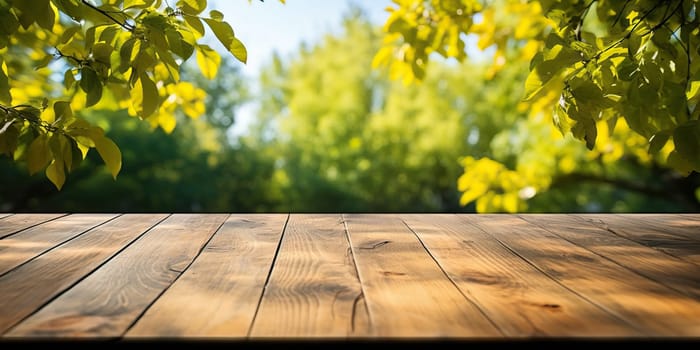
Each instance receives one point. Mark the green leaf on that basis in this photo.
(178, 45)
(101, 52)
(150, 101)
(110, 154)
(216, 15)
(192, 7)
(693, 92)
(8, 139)
(144, 61)
(224, 33)
(5, 96)
(68, 79)
(652, 74)
(222, 30)
(39, 154)
(170, 64)
(127, 53)
(45, 16)
(195, 24)
(681, 164)
(208, 61)
(686, 138)
(627, 69)
(586, 130)
(137, 3)
(8, 22)
(555, 61)
(658, 141)
(28, 11)
(90, 83)
(62, 112)
(238, 50)
(633, 44)
(75, 153)
(561, 120)
(68, 34)
(56, 174)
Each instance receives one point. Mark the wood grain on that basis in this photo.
(376, 276)
(18, 222)
(109, 300)
(29, 243)
(652, 307)
(219, 294)
(314, 288)
(521, 300)
(406, 292)
(677, 274)
(31, 285)
(666, 223)
(670, 243)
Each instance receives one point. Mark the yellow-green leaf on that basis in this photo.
(208, 61)
(137, 3)
(68, 79)
(195, 24)
(90, 83)
(5, 96)
(62, 111)
(216, 15)
(238, 50)
(45, 16)
(222, 31)
(150, 96)
(110, 154)
(8, 22)
(101, 52)
(686, 138)
(38, 154)
(56, 174)
(192, 7)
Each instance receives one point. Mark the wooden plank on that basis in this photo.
(25, 245)
(679, 275)
(112, 298)
(666, 223)
(654, 308)
(520, 299)
(313, 289)
(406, 292)
(219, 294)
(28, 287)
(4, 215)
(691, 219)
(673, 244)
(18, 222)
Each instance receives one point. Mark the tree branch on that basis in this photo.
(106, 14)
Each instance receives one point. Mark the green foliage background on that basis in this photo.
(334, 134)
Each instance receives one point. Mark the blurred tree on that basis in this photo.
(348, 139)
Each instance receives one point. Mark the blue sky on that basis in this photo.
(265, 27)
(270, 26)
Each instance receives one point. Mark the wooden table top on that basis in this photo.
(349, 276)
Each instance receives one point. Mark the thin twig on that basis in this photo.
(126, 26)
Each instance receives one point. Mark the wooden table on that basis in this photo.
(349, 276)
